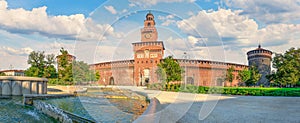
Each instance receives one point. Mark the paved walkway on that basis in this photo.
(191, 108)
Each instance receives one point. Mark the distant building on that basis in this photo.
(261, 59)
(13, 72)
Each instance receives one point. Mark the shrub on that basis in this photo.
(155, 86)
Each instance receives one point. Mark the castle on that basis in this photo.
(149, 52)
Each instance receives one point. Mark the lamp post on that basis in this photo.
(152, 74)
(185, 60)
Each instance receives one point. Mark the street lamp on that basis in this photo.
(185, 60)
(152, 75)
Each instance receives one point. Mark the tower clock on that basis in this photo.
(149, 33)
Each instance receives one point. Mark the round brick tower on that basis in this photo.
(261, 59)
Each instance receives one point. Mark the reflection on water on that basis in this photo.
(93, 105)
(12, 111)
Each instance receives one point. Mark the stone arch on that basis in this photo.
(111, 81)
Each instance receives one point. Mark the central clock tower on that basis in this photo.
(149, 33)
(147, 54)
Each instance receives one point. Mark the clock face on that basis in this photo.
(148, 35)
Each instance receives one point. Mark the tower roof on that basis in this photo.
(149, 13)
(259, 49)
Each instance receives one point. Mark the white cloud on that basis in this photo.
(239, 32)
(177, 47)
(66, 27)
(167, 20)
(111, 9)
(3, 5)
(268, 11)
(23, 51)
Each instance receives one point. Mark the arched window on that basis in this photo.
(149, 24)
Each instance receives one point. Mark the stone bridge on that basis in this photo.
(19, 85)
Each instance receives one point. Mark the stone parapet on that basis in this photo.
(19, 85)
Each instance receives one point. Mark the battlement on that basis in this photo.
(209, 64)
(120, 63)
(140, 45)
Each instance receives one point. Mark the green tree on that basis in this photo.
(41, 65)
(254, 76)
(65, 67)
(2, 74)
(161, 74)
(82, 73)
(249, 76)
(169, 69)
(244, 75)
(229, 75)
(97, 76)
(287, 67)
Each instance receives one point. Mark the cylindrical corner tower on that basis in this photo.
(261, 59)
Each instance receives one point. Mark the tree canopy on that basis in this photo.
(169, 69)
(2, 74)
(69, 70)
(249, 76)
(229, 75)
(41, 65)
(82, 73)
(244, 75)
(254, 76)
(64, 66)
(287, 67)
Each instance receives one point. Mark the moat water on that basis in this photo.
(92, 105)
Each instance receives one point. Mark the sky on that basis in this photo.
(103, 30)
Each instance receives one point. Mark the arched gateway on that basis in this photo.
(111, 81)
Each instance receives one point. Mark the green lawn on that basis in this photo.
(251, 91)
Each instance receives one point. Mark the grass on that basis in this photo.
(250, 91)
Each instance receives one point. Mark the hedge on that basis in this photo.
(251, 91)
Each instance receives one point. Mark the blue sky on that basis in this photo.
(99, 30)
